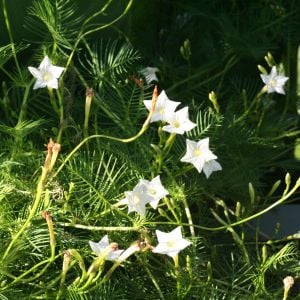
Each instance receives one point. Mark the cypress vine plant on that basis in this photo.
(135, 195)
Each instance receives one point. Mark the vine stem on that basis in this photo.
(32, 212)
(48, 261)
(82, 34)
(253, 103)
(123, 140)
(247, 219)
(10, 36)
(100, 228)
(153, 279)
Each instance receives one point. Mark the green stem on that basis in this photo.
(11, 37)
(82, 34)
(32, 212)
(48, 261)
(53, 101)
(253, 103)
(23, 111)
(61, 117)
(21, 118)
(177, 273)
(164, 152)
(153, 279)
(100, 228)
(124, 140)
(242, 221)
(189, 217)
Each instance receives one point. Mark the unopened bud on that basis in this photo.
(262, 69)
(209, 271)
(251, 193)
(287, 179)
(238, 209)
(185, 50)
(213, 98)
(264, 252)
(270, 60)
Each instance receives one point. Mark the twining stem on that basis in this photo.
(164, 152)
(11, 37)
(32, 212)
(177, 273)
(23, 111)
(253, 103)
(61, 117)
(101, 228)
(59, 111)
(22, 117)
(48, 261)
(153, 279)
(53, 101)
(82, 34)
(247, 219)
(122, 140)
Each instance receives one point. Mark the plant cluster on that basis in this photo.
(138, 196)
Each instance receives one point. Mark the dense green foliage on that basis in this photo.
(51, 207)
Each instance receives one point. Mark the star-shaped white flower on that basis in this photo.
(109, 251)
(150, 74)
(199, 154)
(170, 243)
(155, 190)
(274, 82)
(46, 74)
(164, 107)
(179, 122)
(137, 199)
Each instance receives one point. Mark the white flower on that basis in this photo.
(164, 107)
(211, 166)
(137, 199)
(155, 190)
(150, 74)
(46, 74)
(179, 122)
(274, 82)
(170, 243)
(201, 157)
(105, 249)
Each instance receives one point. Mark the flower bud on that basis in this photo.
(213, 98)
(185, 50)
(262, 69)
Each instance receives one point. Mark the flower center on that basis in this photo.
(161, 110)
(176, 124)
(47, 76)
(136, 200)
(152, 191)
(171, 244)
(197, 152)
(273, 82)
